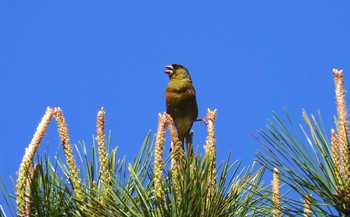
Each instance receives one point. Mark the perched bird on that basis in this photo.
(181, 103)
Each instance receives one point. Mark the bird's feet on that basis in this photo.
(204, 120)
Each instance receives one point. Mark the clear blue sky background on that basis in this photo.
(246, 59)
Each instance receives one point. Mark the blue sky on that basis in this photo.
(246, 59)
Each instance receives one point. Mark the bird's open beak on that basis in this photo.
(169, 70)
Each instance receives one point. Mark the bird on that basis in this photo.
(180, 97)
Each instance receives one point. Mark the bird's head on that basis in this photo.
(177, 71)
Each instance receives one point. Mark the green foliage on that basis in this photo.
(8, 197)
(304, 159)
(239, 191)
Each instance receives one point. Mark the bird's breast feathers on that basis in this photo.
(178, 93)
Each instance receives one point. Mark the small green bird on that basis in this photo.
(181, 103)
